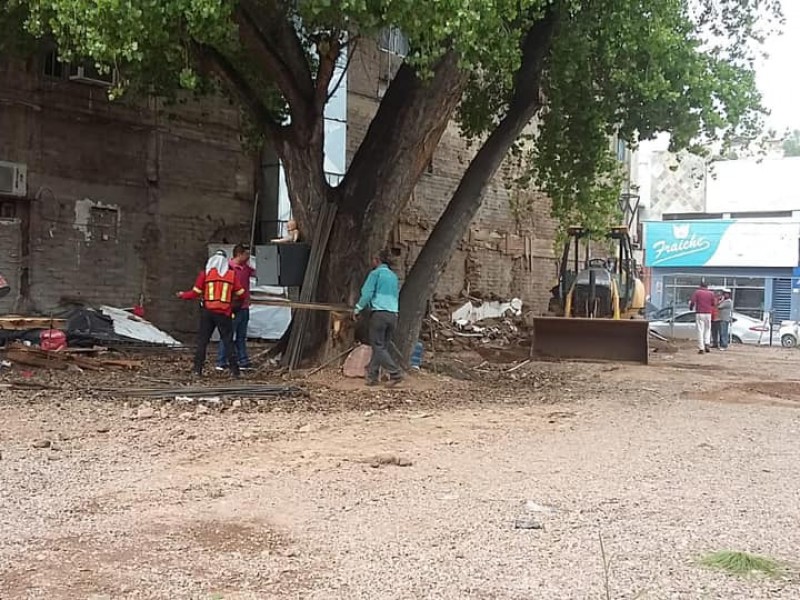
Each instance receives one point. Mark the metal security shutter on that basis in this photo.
(781, 300)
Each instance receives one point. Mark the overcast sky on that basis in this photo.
(778, 78)
(779, 75)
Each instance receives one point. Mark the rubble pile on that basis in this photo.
(455, 325)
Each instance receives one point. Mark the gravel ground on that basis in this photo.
(308, 499)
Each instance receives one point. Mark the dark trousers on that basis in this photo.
(240, 322)
(381, 327)
(209, 321)
(724, 334)
(716, 329)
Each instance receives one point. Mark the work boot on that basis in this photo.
(393, 381)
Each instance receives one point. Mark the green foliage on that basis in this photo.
(615, 67)
(741, 563)
(791, 145)
(634, 68)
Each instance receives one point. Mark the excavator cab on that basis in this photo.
(597, 302)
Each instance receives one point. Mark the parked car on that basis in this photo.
(789, 334)
(665, 314)
(744, 329)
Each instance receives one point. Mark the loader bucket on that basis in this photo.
(592, 339)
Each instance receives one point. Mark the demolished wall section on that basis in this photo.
(123, 196)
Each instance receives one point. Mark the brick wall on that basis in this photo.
(507, 253)
(123, 197)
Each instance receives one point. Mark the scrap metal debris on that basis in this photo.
(36, 357)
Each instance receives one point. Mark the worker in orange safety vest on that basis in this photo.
(220, 292)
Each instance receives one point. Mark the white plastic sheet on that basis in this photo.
(469, 313)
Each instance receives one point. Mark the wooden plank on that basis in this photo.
(16, 323)
(295, 304)
(322, 234)
(36, 357)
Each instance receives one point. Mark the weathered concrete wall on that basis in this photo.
(507, 253)
(124, 196)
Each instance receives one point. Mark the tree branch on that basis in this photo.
(327, 65)
(219, 64)
(351, 46)
(274, 42)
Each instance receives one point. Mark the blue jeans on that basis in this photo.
(240, 322)
(724, 334)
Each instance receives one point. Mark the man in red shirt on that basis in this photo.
(218, 289)
(703, 303)
(240, 264)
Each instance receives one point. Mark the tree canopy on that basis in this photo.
(625, 67)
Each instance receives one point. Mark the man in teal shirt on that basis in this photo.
(380, 293)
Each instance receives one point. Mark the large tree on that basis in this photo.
(591, 71)
(584, 68)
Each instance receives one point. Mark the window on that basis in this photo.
(685, 318)
(53, 67)
(82, 72)
(747, 292)
(333, 179)
(393, 41)
(622, 150)
(8, 210)
(103, 224)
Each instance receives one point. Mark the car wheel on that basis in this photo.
(735, 339)
(788, 341)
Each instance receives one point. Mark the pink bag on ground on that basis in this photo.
(355, 365)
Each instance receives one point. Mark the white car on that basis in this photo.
(744, 329)
(789, 334)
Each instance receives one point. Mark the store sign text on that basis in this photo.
(683, 244)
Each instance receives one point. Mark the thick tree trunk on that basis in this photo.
(379, 182)
(420, 284)
(398, 146)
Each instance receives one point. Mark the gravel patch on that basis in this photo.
(444, 490)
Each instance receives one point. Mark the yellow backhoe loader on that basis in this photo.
(597, 303)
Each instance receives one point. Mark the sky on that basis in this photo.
(779, 75)
(778, 78)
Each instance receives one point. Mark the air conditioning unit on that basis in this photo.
(13, 179)
(90, 75)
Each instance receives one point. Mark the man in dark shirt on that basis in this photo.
(703, 302)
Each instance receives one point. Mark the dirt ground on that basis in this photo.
(481, 483)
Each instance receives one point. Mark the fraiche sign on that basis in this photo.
(721, 243)
(683, 243)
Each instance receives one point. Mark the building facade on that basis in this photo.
(118, 202)
(755, 259)
(112, 202)
(734, 223)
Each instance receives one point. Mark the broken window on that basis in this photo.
(103, 224)
(53, 67)
(8, 210)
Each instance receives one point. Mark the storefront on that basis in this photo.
(756, 260)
